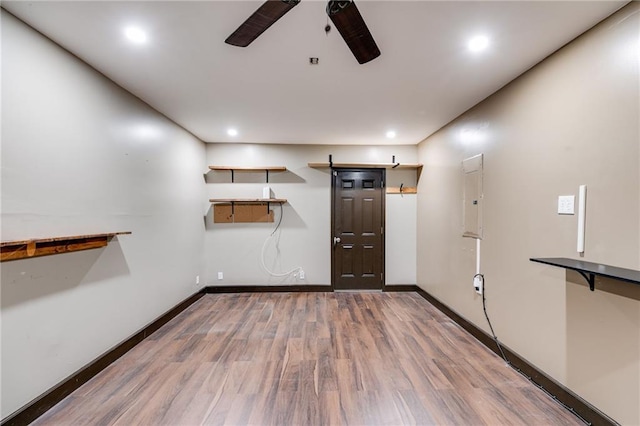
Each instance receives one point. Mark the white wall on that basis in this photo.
(305, 236)
(82, 156)
(573, 119)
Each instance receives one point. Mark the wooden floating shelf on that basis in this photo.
(21, 249)
(590, 270)
(405, 190)
(249, 200)
(243, 210)
(326, 165)
(233, 169)
(250, 169)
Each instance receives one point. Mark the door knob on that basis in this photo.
(336, 240)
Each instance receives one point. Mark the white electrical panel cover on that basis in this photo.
(472, 197)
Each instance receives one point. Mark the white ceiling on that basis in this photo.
(424, 78)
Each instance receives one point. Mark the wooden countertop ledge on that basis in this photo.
(21, 249)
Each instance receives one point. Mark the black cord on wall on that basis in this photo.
(495, 338)
(279, 220)
(484, 308)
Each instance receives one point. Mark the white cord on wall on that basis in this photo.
(477, 256)
(264, 248)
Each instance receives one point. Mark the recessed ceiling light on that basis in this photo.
(391, 134)
(478, 43)
(135, 35)
(232, 132)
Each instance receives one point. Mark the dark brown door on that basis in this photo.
(358, 219)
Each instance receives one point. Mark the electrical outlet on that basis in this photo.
(478, 284)
(197, 279)
(220, 275)
(301, 274)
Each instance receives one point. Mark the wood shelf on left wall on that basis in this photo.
(22, 249)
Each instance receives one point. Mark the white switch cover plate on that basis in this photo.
(566, 204)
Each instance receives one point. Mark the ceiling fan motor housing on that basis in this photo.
(335, 6)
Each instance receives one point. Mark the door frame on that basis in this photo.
(382, 213)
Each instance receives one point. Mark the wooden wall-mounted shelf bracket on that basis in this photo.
(234, 169)
(402, 190)
(248, 200)
(393, 166)
(589, 270)
(14, 250)
(415, 166)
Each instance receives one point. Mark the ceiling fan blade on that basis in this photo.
(347, 19)
(265, 16)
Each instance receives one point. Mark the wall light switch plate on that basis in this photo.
(566, 204)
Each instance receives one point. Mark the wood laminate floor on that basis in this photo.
(309, 359)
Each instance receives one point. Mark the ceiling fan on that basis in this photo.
(343, 13)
